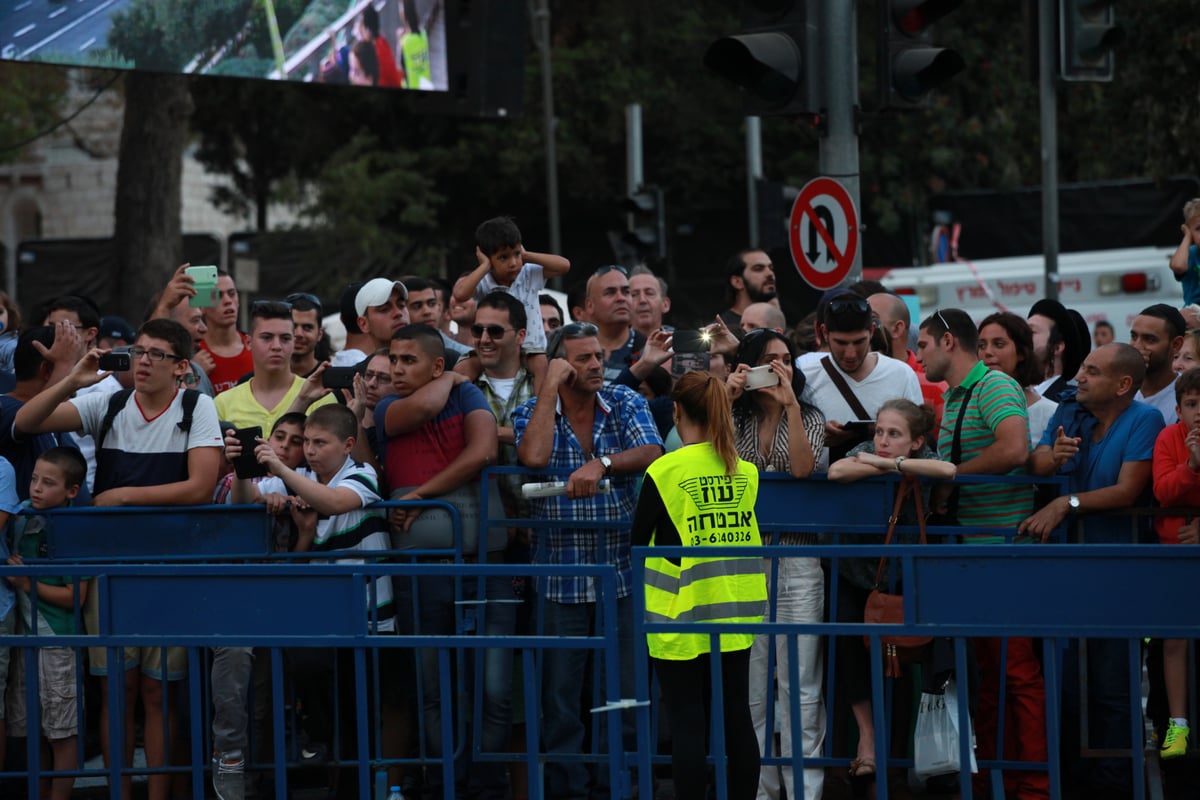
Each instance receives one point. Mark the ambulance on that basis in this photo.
(1112, 285)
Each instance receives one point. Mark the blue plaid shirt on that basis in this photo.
(623, 422)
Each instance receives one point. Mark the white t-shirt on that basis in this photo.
(347, 358)
(355, 531)
(529, 284)
(1039, 416)
(889, 379)
(502, 387)
(1164, 401)
(142, 451)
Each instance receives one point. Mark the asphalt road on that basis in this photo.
(55, 29)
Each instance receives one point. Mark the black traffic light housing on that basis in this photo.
(773, 59)
(910, 66)
(648, 231)
(1087, 36)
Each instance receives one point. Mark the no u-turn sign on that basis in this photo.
(823, 233)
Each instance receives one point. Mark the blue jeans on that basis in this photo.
(437, 616)
(564, 676)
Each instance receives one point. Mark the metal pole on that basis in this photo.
(839, 146)
(549, 126)
(754, 171)
(635, 175)
(1047, 96)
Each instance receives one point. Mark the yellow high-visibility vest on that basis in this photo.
(708, 508)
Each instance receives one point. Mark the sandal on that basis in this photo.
(862, 767)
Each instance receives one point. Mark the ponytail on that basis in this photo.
(704, 399)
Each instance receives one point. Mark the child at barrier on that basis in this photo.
(1177, 483)
(57, 475)
(900, 445)
(9, 504)
(327, 501)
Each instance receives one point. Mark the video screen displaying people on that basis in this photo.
(397, 44)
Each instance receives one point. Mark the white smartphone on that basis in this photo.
(761, 377)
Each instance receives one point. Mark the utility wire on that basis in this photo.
(64, 120)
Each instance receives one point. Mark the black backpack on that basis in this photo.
(118, 400)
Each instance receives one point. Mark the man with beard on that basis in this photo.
(851, 370)
(1157, 333)
(751, 280)
(306, 314)
(608, 307)
(1058, 343)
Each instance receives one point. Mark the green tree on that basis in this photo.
(30, 103)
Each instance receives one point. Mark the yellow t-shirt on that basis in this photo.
(239, 407)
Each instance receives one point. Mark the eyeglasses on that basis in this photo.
(376, 377)
(938, 313)
(303, 301)
(494, 331)
(155, 355)
(607, 268)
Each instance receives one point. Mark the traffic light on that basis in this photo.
(1087, 36)
(775, 202)
(773, 59)
(909, 65)
(648, 228)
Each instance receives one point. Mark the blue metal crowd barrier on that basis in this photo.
(269, 602)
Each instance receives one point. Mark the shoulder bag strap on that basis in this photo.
(907, 483)
(956, 449)
(844, 388)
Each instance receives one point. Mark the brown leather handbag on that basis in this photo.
(888, 609)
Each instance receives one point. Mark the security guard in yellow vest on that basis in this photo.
(700, 496)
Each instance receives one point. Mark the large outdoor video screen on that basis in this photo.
(399, 44)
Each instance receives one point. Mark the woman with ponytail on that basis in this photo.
(699, 496)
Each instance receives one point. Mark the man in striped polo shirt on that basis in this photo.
(985, 432)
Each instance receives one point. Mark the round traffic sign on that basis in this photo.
(823, 233)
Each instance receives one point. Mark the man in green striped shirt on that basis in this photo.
(985, 432)
(985, 422)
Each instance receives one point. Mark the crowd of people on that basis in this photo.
(644, 424)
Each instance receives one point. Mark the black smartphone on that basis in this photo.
(246, 465)
(116, 362)
(338, 377)
(860, 425)
(689, 341)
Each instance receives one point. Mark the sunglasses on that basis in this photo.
(303, 301)
(578, 330)
(857, 305)
(494, 331)
(607, 268)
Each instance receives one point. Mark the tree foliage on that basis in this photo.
(30, 100)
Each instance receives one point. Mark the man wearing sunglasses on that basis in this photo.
(850, 382)
(306, 317)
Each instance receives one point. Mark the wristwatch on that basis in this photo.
(607, 462)
(1073, 502)
(899, 464)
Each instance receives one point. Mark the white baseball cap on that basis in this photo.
(376, 292)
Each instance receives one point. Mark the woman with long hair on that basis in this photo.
(1006, 344)
(775, 432)
(703, 480)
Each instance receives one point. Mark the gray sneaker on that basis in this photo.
(229, 775)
